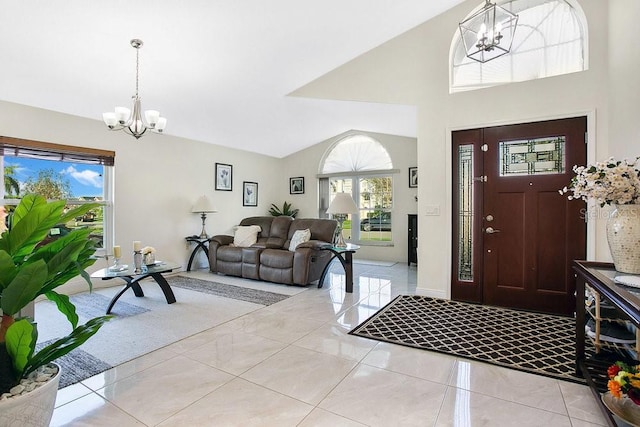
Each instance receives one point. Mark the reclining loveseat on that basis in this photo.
(262, 249)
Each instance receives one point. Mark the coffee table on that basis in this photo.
(132, 279)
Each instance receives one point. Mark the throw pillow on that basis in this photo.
(246, 235)
(300, 236)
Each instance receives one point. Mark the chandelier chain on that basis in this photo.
(137, 68)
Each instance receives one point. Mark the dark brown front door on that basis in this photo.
(525, 234)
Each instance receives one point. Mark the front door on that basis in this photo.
(515, 236)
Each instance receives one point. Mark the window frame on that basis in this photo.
(505, 64)
(14, 147)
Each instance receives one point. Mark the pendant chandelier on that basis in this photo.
(133, 123)
(488, 33)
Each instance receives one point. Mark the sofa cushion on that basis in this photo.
(246, 235)
(276, 258)
(279, 232)
(300, 236)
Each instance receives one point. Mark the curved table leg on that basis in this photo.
(164, 285)
(326, 269)
(347, 265)
(200, 245)
(131, 283)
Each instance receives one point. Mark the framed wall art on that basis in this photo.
(413, 177)
(296, 185)
(249, 193)
(224, 177)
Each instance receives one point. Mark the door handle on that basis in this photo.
(491, 230)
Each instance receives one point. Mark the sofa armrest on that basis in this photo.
(313, 244)
(222, 239)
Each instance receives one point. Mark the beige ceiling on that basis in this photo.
(220, 71)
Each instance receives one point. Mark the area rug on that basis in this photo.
(537, 343)
(255, 296)
(142, 325)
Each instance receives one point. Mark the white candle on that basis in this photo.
(116, 252)
(137, 246)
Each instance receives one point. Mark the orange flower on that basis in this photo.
(614, 388)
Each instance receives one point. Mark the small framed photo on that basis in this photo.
(413, 177)
(224, 177)
(296, 185)
(249, 193)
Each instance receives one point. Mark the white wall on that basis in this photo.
(414, 68)
(402, 150)
(157, 179)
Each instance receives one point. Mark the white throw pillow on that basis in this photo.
(300, 236)
(246, 235)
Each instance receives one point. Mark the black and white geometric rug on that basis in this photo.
(542, 344)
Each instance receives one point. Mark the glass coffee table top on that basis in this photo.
(157, 267)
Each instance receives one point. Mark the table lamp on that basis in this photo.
(341, 206)
(203, 206)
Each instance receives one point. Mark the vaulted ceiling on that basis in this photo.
(220, 71)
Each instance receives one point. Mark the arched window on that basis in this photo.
(360, 166)
(550, 40)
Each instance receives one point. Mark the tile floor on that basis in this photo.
(293, 364)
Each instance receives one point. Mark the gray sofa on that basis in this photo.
(270, 259)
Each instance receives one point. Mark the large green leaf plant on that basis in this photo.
(30, 266)
(287, 210)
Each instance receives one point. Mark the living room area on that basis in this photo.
(293, 362)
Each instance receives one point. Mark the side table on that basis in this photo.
(345, 256)
(201, 244)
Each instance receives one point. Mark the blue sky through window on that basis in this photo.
(85, 180)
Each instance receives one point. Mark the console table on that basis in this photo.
(201, 244)
(599, 277)
(132, 280)
(345, 256)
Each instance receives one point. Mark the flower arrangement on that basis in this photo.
(610, 182)
(624, 380)
(148, 250)
(148, 255)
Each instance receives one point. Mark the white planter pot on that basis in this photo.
(33, 409)
(623, 235)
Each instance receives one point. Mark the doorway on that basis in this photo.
(514, 235)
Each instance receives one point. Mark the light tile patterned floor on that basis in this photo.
(293, 364)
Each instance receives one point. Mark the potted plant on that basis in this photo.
(287, 210)
(31, 264)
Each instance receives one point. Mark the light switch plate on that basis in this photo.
(432, 210)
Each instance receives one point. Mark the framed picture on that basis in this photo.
(224, 177)
(296, 185)
(249, 193)
(413, 177)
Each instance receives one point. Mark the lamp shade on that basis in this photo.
(203, 204)
(342, 203)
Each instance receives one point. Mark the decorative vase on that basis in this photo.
(149, 258)
(32, 409)
(623, 235)
(623, 407)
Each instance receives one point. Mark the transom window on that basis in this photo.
(360, 166)
(550, 39)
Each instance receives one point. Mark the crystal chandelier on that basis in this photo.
(133, 124)
(488, 33)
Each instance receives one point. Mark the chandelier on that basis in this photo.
(488, 33)
(132, 123)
